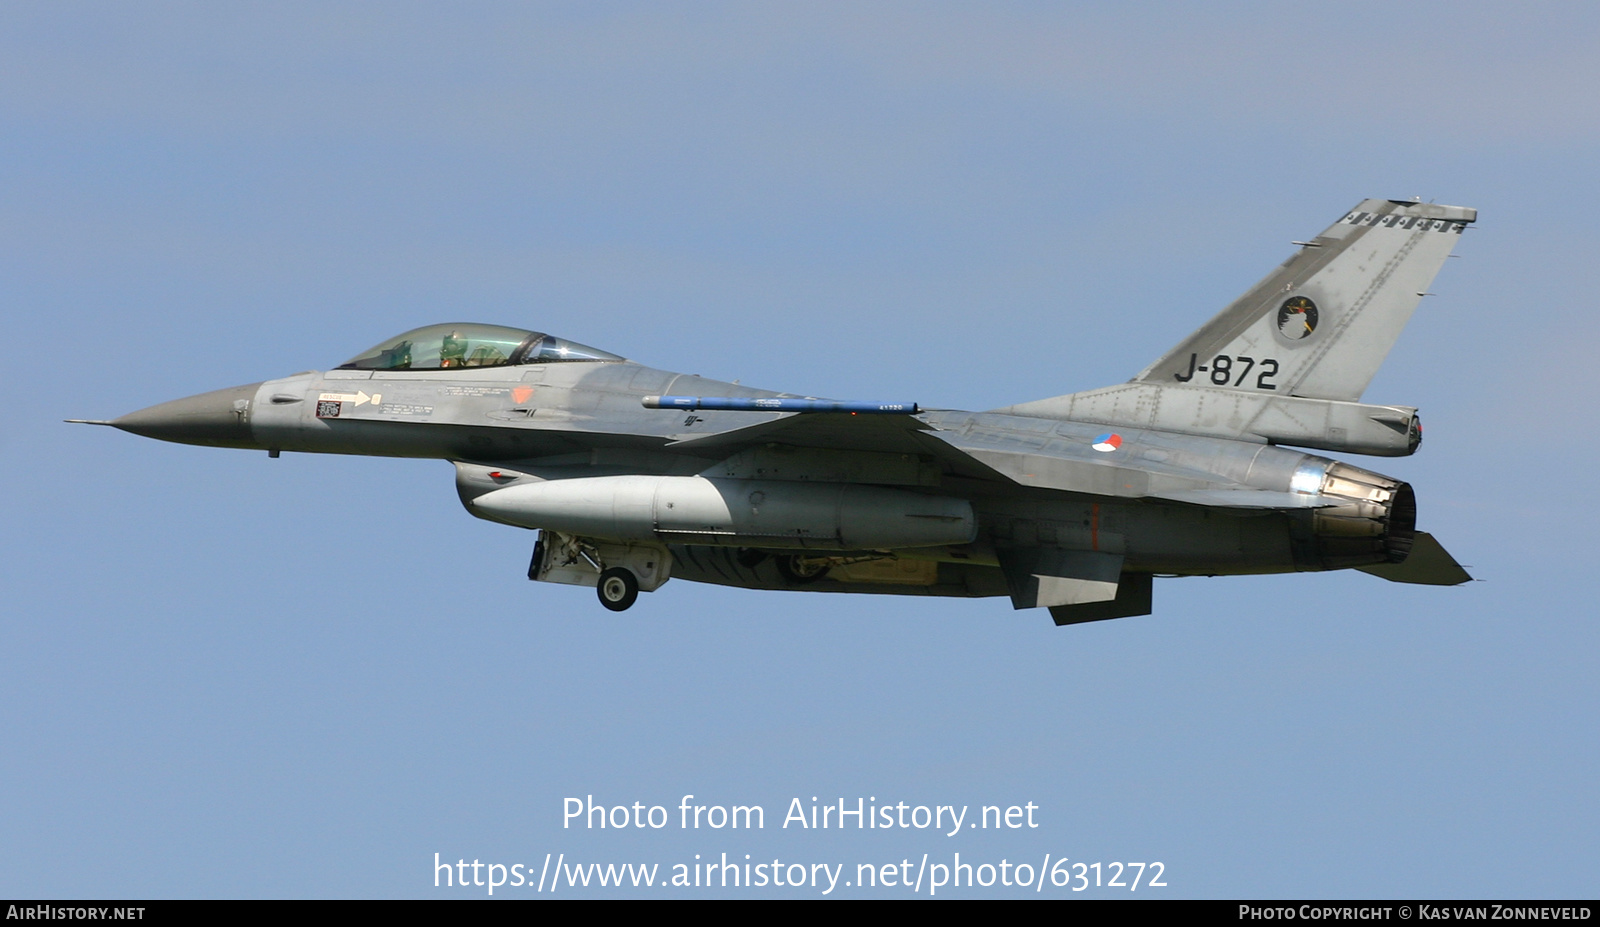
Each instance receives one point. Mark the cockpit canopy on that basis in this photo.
(469, 344)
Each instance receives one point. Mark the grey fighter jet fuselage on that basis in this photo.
(635, 475)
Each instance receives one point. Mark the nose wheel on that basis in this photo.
(618, 588)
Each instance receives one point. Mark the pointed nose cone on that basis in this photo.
(215, 419)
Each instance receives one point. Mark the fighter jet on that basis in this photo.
(632, 475)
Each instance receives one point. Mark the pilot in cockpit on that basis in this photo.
(453, 350)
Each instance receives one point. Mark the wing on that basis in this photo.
(835, 431)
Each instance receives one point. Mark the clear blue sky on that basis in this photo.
(224, 675)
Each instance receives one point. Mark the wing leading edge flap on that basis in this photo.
(1428, 564)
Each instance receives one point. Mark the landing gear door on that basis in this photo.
(565, 558)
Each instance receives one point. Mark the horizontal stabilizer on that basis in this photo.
(1428, 564)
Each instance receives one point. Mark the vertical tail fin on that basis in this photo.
(1320, 325)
